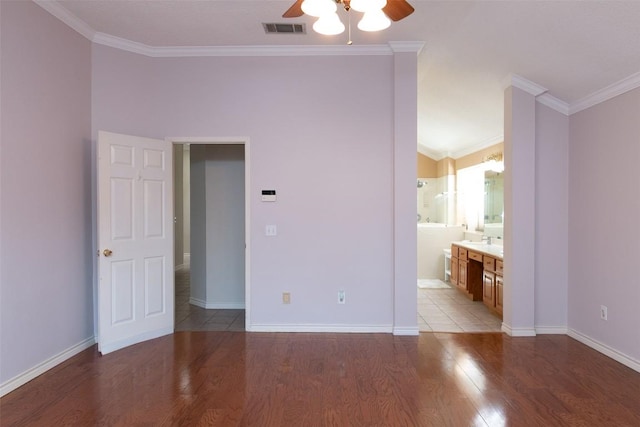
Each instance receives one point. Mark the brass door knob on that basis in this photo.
(107, 252)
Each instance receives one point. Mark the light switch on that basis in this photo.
(270, 230)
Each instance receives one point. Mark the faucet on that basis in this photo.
(487, 238)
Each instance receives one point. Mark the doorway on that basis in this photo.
(447, 206)
(211, 234)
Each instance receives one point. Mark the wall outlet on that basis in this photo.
(341, 297)
(286, 298)
(603, 312)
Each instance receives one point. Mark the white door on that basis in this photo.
(135, 240)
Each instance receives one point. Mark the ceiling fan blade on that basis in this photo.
(397, 9)
(294, 11)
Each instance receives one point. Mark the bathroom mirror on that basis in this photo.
(493, 197)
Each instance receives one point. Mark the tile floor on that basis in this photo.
(439, 310)
(193, 318)
(448, 310)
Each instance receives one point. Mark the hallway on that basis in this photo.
(189, 317)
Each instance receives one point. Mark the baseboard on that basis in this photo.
(605, 349)
(518, 332)
(551, 330)
(198, 302)
(217, 305)
(43, 367)
(366, 329)
(186, 262)
(406, 331)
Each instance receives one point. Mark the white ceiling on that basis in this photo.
(571, 48)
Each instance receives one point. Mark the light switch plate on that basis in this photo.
(270, 230)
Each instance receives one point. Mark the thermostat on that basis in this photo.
(268, 195)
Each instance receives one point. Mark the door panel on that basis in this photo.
(135, 238)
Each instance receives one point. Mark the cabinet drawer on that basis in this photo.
(462, 253)
(474, 256)
(454, 251)
(489, 263)
(499, 266)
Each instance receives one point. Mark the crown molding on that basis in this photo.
(477, 147)
(266, 50)
(604, 94)
(524, 84)
(54, 8)
(408, 46)
(431, 153)
(554, 103)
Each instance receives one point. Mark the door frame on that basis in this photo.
(232, 140)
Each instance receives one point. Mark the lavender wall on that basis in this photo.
(45, 233)
(321, 131)
(604, 208)
(551, 221)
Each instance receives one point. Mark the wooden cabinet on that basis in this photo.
(478, 275)
(454, 271)
(462, 274)
(468, 273)
(488, 288)
(499, 290)
(492, 283)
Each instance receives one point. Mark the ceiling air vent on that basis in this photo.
(275, 28)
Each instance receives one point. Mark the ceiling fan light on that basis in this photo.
(374, 21)
(319, 7)
(367, 5)
(329, 25)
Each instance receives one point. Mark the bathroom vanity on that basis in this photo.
(477, 271)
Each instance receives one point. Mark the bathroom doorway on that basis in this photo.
(442, 191)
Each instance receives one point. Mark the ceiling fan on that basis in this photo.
(377, 13)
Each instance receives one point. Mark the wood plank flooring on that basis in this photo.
(263, 379)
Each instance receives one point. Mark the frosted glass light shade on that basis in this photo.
(367, 5)
(374, 21)
(329, 25)
(319, 7)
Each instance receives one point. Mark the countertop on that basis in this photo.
(492, 250)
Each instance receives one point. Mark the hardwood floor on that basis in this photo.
(264, 379)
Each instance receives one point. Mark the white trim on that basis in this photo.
(606, 350)
(117, 345)
(77, 24)
(604, 94)
(266, 50)
(198, 302)
(407, 47)
(553, 103)
(217, 305)
(406, 331)
(524, 84)
(518, 332)
(431, 153)
(23, 378)
(551, 330)
(122, 44)
(369, 329)
(479, 146)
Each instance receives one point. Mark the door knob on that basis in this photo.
(107, 252)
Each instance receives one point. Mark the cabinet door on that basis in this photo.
(462, 275)
(454, 271)
(499, 290)
(488, 289)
